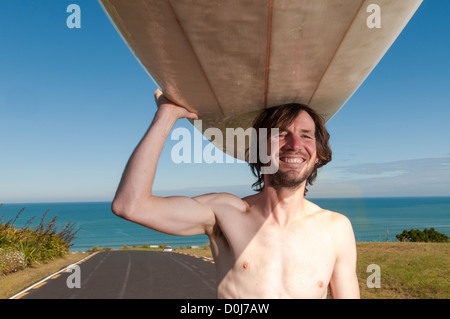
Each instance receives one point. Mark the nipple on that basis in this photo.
(320, 283)
(245, 265)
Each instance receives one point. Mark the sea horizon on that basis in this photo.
(373, 219)
(308, 198)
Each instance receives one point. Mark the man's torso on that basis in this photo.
(257, 258)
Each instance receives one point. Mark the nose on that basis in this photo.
(293, 142)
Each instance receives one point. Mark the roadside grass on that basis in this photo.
(408, 270)
(14, 282)
(23, 246)
(204, 251)
(28, 253)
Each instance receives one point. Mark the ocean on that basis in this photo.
(373, 219)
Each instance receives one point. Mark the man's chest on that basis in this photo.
(273, 263)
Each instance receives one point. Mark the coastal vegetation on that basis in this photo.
(426, 236)
(20, 247)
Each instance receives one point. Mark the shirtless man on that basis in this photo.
(274, 244)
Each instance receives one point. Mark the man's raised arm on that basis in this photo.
(134, 200)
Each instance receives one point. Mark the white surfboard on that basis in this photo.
(229, 59)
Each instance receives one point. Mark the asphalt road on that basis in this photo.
(132, 274)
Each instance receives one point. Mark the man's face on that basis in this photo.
(297, 153)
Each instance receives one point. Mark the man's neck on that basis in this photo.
(283, 204)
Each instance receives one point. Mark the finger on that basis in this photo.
(190, 115)
(193, 116)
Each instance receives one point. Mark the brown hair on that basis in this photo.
(281, 117)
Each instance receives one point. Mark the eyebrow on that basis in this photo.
(303, 130)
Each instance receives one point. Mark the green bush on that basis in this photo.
(427, 235)
(34, 245)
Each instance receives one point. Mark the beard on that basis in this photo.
(290, 179)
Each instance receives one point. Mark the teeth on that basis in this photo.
(293, 160)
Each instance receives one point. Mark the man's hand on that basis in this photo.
(165, 105)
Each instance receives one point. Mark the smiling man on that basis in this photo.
(274, 244)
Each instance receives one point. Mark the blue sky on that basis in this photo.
(75, 102)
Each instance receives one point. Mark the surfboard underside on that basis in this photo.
(228, 60)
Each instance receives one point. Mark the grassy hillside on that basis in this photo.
(408, 270)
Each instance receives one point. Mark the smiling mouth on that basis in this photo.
(292, 160)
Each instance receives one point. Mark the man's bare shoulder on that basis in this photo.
(223, 201)
(334, 220)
